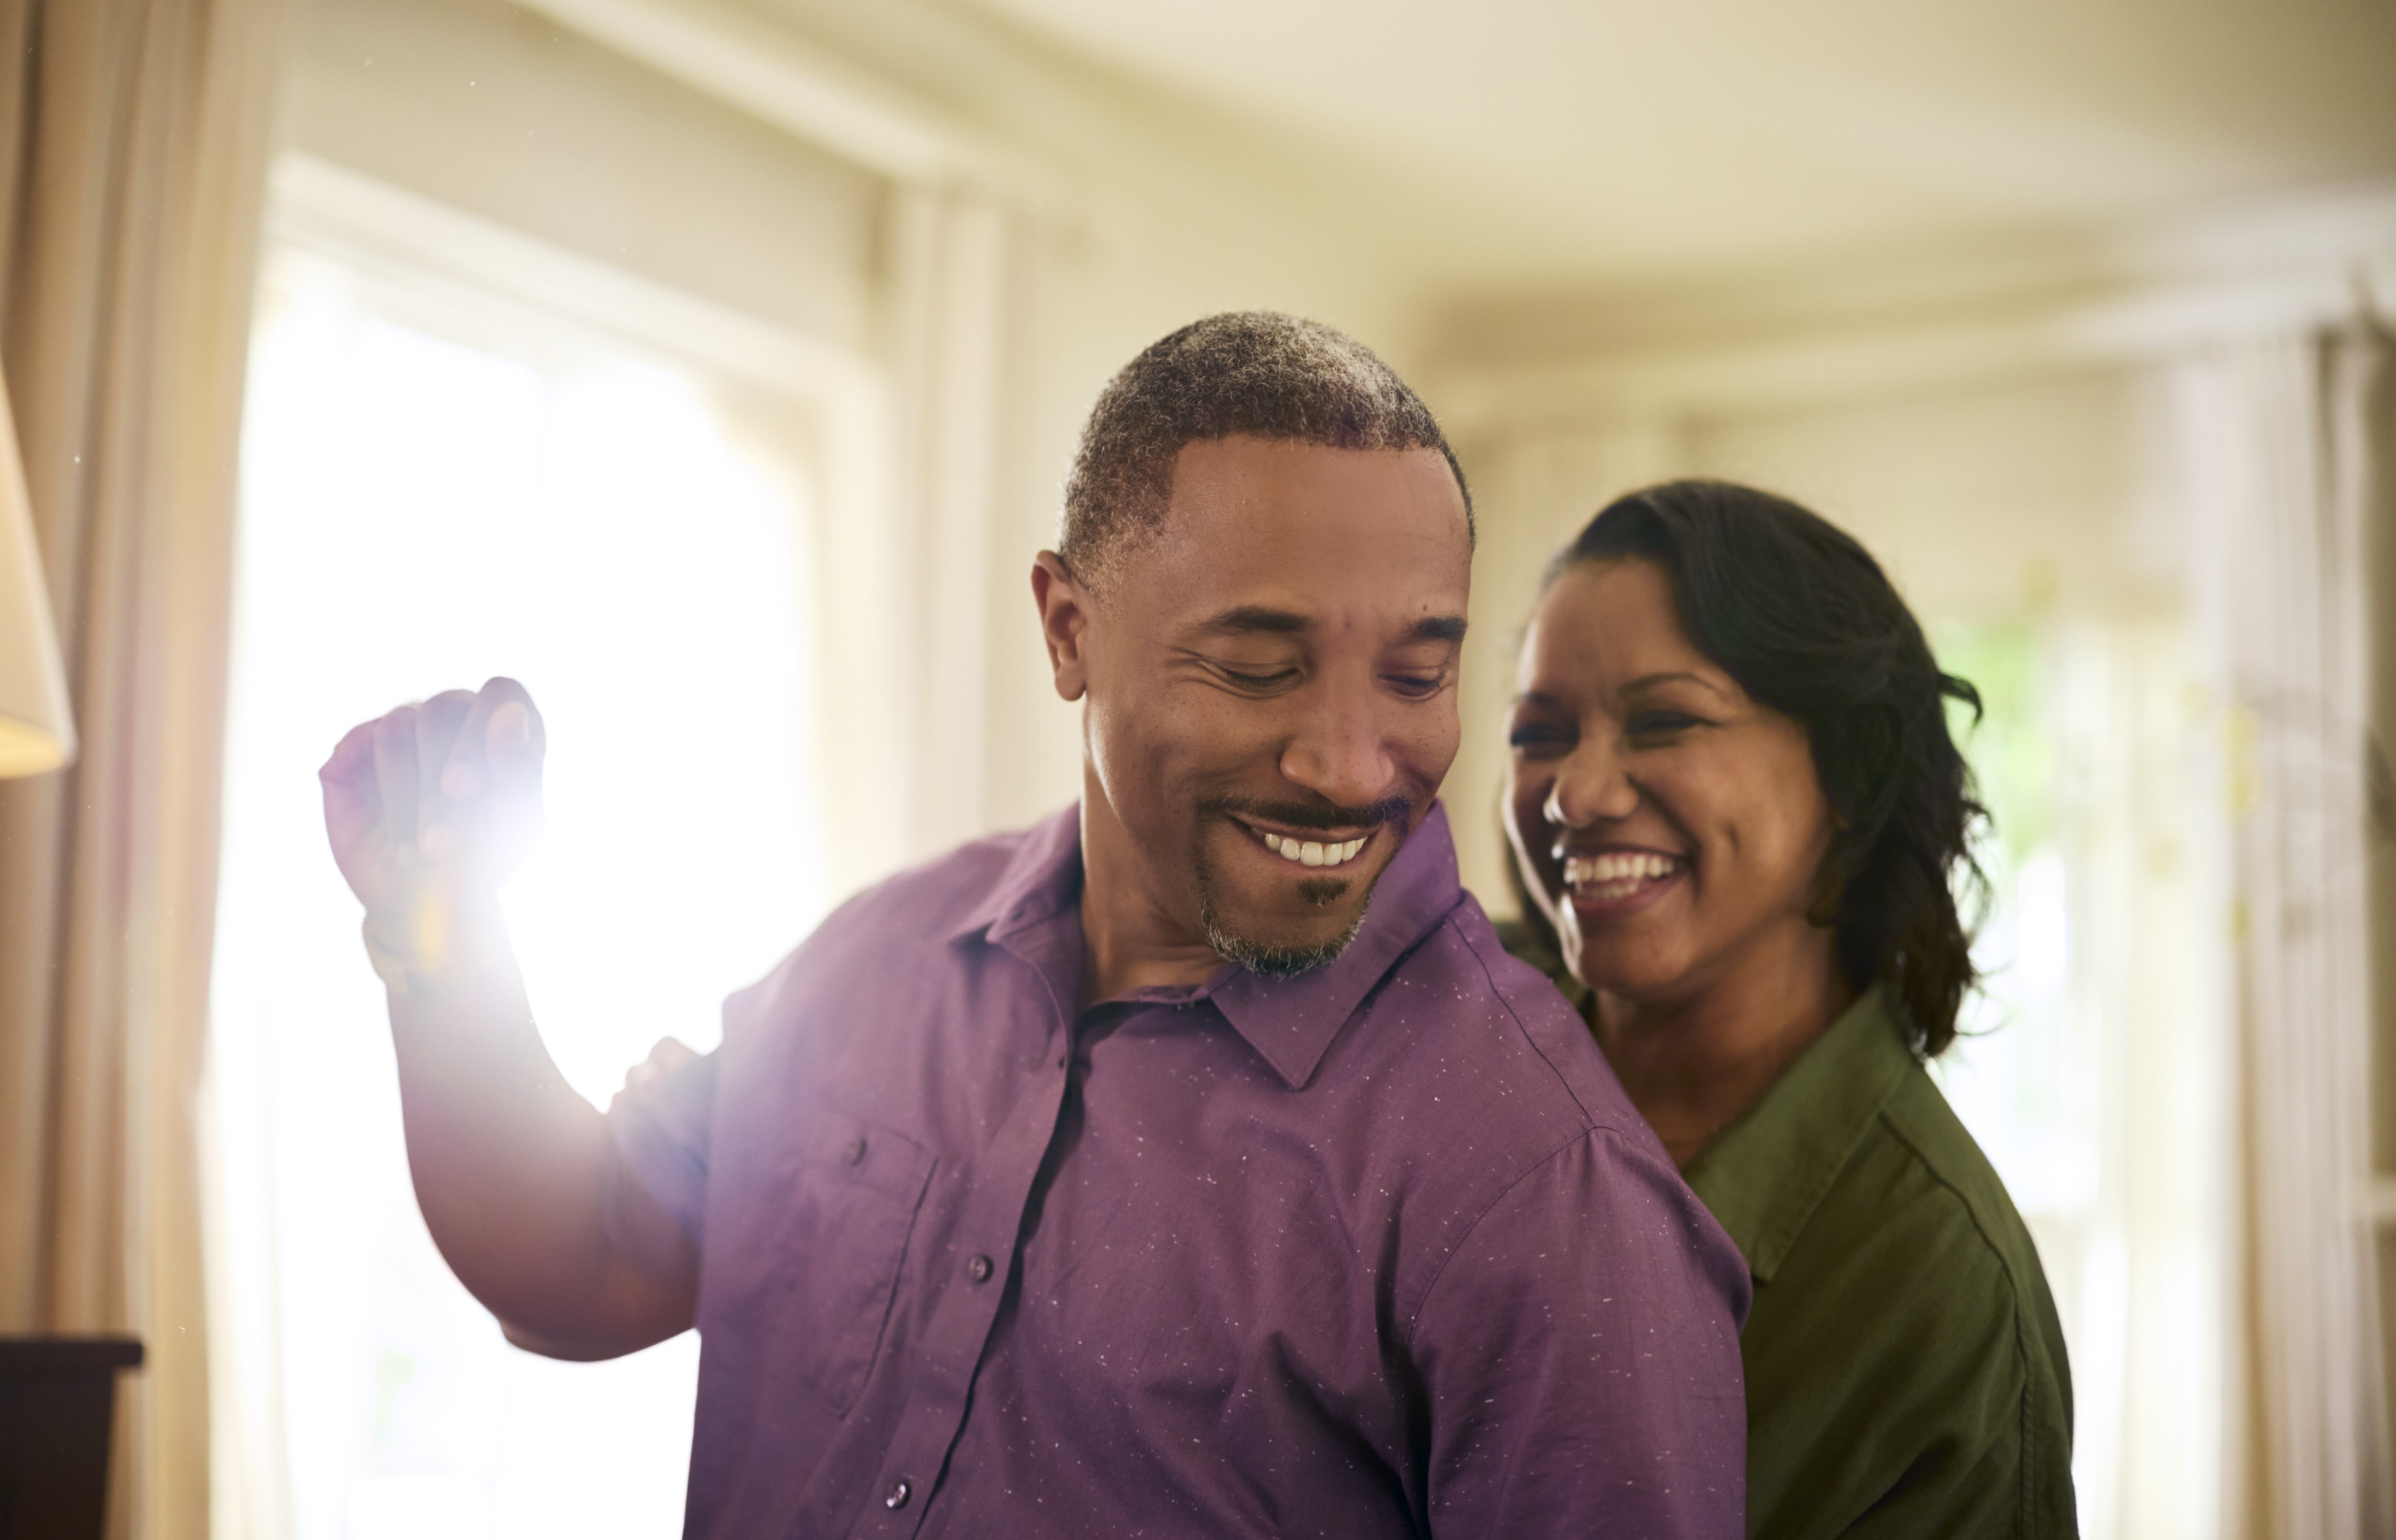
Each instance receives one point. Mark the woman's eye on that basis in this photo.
(1538, 737)
(1660, 723)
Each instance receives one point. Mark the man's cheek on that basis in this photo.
(1427, 760)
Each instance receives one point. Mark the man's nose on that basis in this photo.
(1592, 786)
(1339, 751)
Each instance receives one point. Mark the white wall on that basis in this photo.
(486, 106)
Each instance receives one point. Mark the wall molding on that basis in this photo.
(782, 79)
(1896, 324)
(403, 239)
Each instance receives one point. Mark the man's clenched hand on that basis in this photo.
(437, 800)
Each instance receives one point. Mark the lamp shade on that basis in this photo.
(36, 727)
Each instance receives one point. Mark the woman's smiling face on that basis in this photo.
(1669, 827)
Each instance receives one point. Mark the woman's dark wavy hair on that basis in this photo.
(1800, 613)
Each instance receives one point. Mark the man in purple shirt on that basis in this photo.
(1193, 1164)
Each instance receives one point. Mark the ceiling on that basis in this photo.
(1606, 143)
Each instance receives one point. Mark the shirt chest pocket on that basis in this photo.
(845, 1210)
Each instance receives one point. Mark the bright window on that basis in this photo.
(2085, 1072)
(426, 504)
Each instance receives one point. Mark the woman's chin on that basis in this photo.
(1636, 968)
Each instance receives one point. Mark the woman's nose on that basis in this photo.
(1591, 785)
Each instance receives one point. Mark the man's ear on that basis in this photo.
(1065, 611)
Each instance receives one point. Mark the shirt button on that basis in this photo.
(978, 1269)
(854, 1150)
(901, 1489)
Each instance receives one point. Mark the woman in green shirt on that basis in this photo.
(1737, 816)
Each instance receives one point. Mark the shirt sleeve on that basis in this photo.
(661, 1131)
(1580, 1353)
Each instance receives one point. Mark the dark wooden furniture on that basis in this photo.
(58, 1398)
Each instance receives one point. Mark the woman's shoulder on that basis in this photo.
(1919, 1221)
(1853, 1162)
(1904, 1356)
(1911, 1228)
(1988, 1225)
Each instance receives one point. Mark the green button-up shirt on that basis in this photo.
(1905, 1368)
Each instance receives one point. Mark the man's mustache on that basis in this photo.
(1389, 810)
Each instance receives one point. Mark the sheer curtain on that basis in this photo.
(132, 149)
(2288, 447)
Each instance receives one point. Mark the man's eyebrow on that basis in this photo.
(1252, 618)
(1248, 618)
(1437, 628)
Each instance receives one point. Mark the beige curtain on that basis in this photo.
(2292, 446)
(2372, 439)
(133, 136)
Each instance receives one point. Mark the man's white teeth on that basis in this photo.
(1314, 853)
(1617, 866)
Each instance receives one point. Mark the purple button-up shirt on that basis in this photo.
(1381, 1249)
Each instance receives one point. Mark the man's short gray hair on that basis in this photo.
(1246, 372)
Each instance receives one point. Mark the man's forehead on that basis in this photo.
(1251, 512)
(1244, 468)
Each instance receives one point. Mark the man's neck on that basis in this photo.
(1130, 939)
(1693, 1062)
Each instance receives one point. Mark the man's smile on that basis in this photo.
(1314, 852)
(1307, 847)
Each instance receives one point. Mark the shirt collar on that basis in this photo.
(1289, 1021)
(1765, 1175)
(1041, 879)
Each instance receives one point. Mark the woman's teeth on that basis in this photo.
(1313, 853)
(1617, 874)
